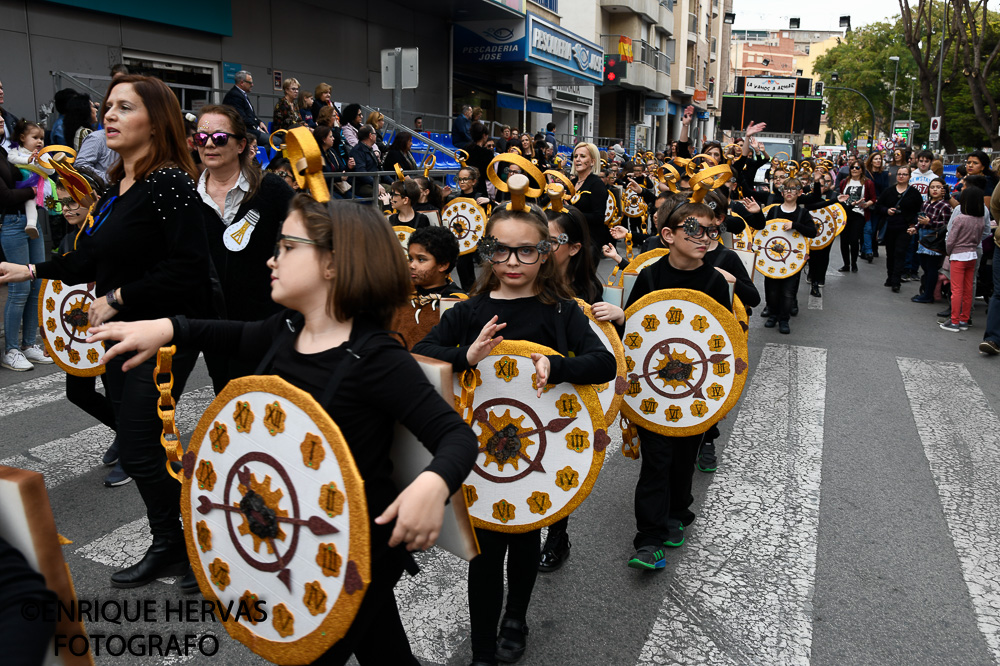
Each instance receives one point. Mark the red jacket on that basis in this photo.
(868, 196)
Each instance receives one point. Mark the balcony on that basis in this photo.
(715, 8)
(666, 18)
(649, 10)
(553, 5)
(647, 61)
(692, 27)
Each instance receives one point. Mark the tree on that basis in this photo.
(978, 47)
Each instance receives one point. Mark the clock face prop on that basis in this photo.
(780, 253)
(275, 512)
(686, 357)
(63, 311)
(830, 221)
(538, 457)
(467, 220)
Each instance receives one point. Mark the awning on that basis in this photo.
(506, 100)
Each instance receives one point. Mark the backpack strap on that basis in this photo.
(292, 326)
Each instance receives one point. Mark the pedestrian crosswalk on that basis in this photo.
(740, 591)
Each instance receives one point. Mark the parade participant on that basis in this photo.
(29, 138)
(249, 206)
(932, 217)
(875, 168)
(432, 252)
(900, 205)
(524, 296)
(147, 251)
(570, 239)
(468, 178)
(965, 233)
(338, 305)
(404, 194)
(780, 292)
(431, 195)
(857, 193)
(592, 196)
(663, 492)
(819, 258)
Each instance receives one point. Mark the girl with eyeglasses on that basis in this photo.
(857, 193)
(522, 296)
(247, 207)
(148, 253)
(338, 272)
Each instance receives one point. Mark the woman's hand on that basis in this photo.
(610, 252)
(542, 370)
(13, 273)
(485, 343)
(634, 186)
(753, 128)
(350, 163)
(142, 337)
(100, 311)
(384, 197)
(418, 512)
(618, 232)
(751, 205)
(911, 230)
(608, 312)
(843, 198)
(730, 278)
(892, 211)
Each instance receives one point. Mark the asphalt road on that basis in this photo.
(853, 519)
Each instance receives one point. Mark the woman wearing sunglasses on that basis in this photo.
(248, 206)
(857, 193)
(148, 254)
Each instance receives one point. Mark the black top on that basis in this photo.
(802, 221)
(239, 100)
(245, 277)
(150, 242)
(447, 290)
(593, 203)
(11, 200)
(908, 204)
(651, 243)
(662, 275)
(479, 157)
(18, 581)
(730, 262)
(419, 220)
(384, 380)
(561, 325)
(403, 159)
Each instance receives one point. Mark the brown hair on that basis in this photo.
(169, 140)
(551, 286)
(249, 170)
(372, 278)
(325, 116)
(322, 88)
(686, 210)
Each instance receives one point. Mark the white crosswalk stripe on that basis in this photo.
(960, 434)
(35, 392)
(742, 592)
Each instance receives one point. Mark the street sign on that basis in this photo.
(935, 129)
(409, 66)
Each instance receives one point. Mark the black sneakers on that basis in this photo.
(648, 558)
(675, 539)
(512, 641)
(707, 461)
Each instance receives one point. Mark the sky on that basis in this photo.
(772, 14)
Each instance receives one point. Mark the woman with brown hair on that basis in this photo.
(249, 206)
(322, 99)
(147, 251)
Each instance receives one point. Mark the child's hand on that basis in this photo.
(542, 368)
(33, 157)
(142, 337)
(418, 512)
(730, 278)
(618, 232)
(608, 312)
(787, 225)
(610, 252)
(485, 343)
(750, 204)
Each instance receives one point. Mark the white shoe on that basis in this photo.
(36, 354)
(32, 231)
(14, 360)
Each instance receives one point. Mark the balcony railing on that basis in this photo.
(693, 23)
(642, 52)
(689, 81)
(551, 5)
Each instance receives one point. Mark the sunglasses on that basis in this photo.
(283, 174)
(790, 189)
(218, 138)
(293, 239)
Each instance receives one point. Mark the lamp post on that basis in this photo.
(937, 103)
(892, 116)
(871, 139)
(912, 81)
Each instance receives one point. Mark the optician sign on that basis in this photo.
(765, 84)
(556, 48)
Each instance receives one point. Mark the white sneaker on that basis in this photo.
(36, 354)
(14, 360)
(31, 230)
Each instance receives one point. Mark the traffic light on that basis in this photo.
(822, 108)
(614, 69)
(819, 89)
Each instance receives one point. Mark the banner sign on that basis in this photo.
(655, 107)
(764, 84)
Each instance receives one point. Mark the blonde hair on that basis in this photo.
(595, 155)
(373, 118)
(289, 82)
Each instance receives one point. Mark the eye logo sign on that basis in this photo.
(500, 34)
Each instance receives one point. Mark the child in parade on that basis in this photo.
(338, 305)
(523, 295)
(404, 194)
(432, 252)
(663, 492)
(933, 216)
(781, 293)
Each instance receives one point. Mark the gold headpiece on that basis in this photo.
(461, 156)
(303, 153)
(517, 186)
(527, 167)
(280, 135)
(428, 163)
(556, 194)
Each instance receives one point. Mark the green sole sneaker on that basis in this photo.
(648, 558)
(675, 540)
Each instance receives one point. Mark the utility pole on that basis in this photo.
(911, 100)
(892, 116)
(937, 103)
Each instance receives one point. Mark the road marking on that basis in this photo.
(35, 392)
(69, 457)
(434, 605)
(743, 585)
(815, 303)
(958, 430)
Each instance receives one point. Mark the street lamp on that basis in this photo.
(729, 18)
(793, 24)
(895, 78)
(913, 80)
(834, 76)
(845, 22)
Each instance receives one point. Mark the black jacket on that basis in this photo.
(365, 160)
(593, 203)
(11, 200)
(237, 99)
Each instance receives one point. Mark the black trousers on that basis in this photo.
(780, 295)
(850, 239)
(897, 244)
(133, 396)
(930, 264)
(82, 392)
(819, 261)
(663, 492)
(486, 584)
(224, 368)
(376, 636)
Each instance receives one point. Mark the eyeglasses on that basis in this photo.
(293, 239)
(465, 180)
(219, 139)
(69, 203)
(283, 174)
(526, 254)
(695, 230)
(789, 189)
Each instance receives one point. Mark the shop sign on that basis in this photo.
(490, 41)
(700, 95)
(556, 48)
(655, 107)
